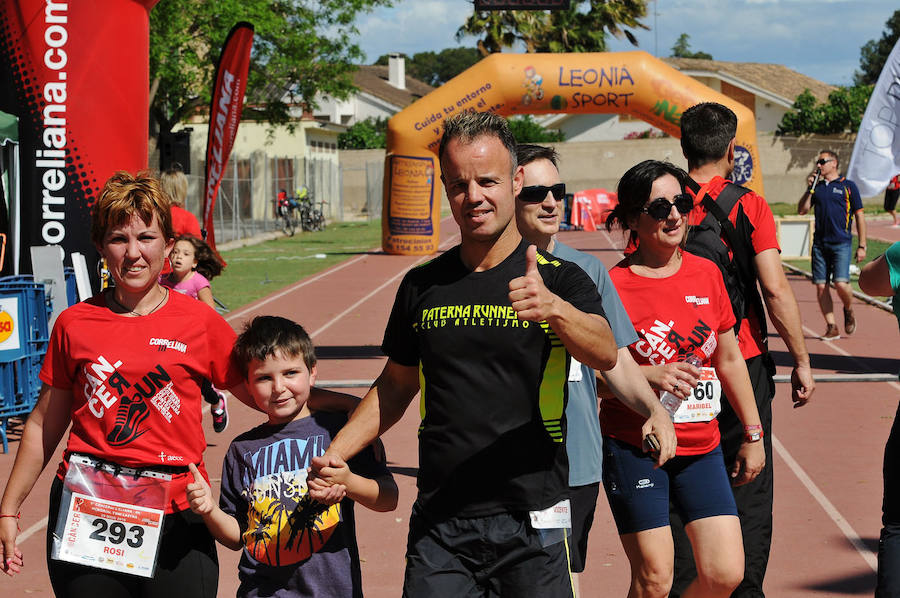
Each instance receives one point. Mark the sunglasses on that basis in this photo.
(659, 208)
(822, 161)
(538, 193)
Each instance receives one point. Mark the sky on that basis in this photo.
(819, 38)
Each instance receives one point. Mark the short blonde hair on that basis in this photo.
(125, 195)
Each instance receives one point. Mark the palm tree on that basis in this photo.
(580, 28)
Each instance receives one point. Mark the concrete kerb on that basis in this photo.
(859, 295)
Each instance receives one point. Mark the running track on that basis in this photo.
(828, 454)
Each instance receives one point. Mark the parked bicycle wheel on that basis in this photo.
(288, 222)
(318, 220)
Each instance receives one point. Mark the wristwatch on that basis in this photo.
(753, 433)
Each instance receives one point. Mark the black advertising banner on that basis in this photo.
(225, 116)
(76, 74)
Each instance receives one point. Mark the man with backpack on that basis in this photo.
(735, 228)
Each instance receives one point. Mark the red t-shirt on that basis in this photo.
(763, 237)
(185, 223)
(136, 381)
(674, 317)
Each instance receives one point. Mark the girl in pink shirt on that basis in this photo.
(193, 264)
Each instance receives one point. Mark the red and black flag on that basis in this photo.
(225, 116)
(75, 74)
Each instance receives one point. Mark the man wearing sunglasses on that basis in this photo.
(539, 209)
(708, 134)
(836, 201)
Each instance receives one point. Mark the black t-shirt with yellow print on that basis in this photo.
(493, 386)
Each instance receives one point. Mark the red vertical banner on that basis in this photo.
(76, 74)
(225, 116)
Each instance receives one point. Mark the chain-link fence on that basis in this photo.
(245, 205)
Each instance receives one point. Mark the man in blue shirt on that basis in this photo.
(836, 201)
(539, 208)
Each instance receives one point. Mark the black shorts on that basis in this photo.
(187, 564)
(583, 500)
(496, 555)
(890, 199)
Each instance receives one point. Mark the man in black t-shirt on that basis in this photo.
(485, 331)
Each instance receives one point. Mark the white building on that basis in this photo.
(383, 91)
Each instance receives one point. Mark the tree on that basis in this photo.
(874, 53)
(840, 114)
(438, 68)
(370, 133)
(682, 49)
(580, 28)
(299, 49)
(527, 130)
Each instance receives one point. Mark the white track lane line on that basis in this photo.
(243, 311)
(38, 526)
(867, 555)
(839, 520)
(375, 291)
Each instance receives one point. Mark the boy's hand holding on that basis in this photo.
(199, 494)
(327, 479)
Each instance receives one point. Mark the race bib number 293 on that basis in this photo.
(111, 535)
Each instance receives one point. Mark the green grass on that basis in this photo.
(790, 209)
(258, 270)
(874, 248)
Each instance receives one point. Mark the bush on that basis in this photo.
(370, 133)
(528, 130)
(646, 134)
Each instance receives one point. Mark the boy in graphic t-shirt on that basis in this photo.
(297, 531)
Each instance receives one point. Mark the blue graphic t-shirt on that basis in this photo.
(293, 546)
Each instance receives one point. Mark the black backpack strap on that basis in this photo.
(741, 249)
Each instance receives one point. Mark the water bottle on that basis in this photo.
(672, 402)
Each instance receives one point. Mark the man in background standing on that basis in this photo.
(836, 202)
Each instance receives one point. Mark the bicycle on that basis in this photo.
(311, 217)
(285, 208)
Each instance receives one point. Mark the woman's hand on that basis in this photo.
(677, 377)
(12, 556)
(751, 459)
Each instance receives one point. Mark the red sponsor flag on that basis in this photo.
(225, 116)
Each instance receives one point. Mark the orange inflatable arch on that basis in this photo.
(633, 83)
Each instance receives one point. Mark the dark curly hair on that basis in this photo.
(207, 263)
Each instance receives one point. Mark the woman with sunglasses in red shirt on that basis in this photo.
(688, 352)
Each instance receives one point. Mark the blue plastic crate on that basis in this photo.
(13, 399)
(37, 307)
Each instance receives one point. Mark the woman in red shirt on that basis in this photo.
(688, 352)
(124, 368)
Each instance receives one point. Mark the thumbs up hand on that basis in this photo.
(199, 494)
(528, 295)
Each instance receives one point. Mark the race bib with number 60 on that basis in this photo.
(704, 402)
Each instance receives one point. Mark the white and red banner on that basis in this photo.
(876, 153)
(75, 73)
(225, 116)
